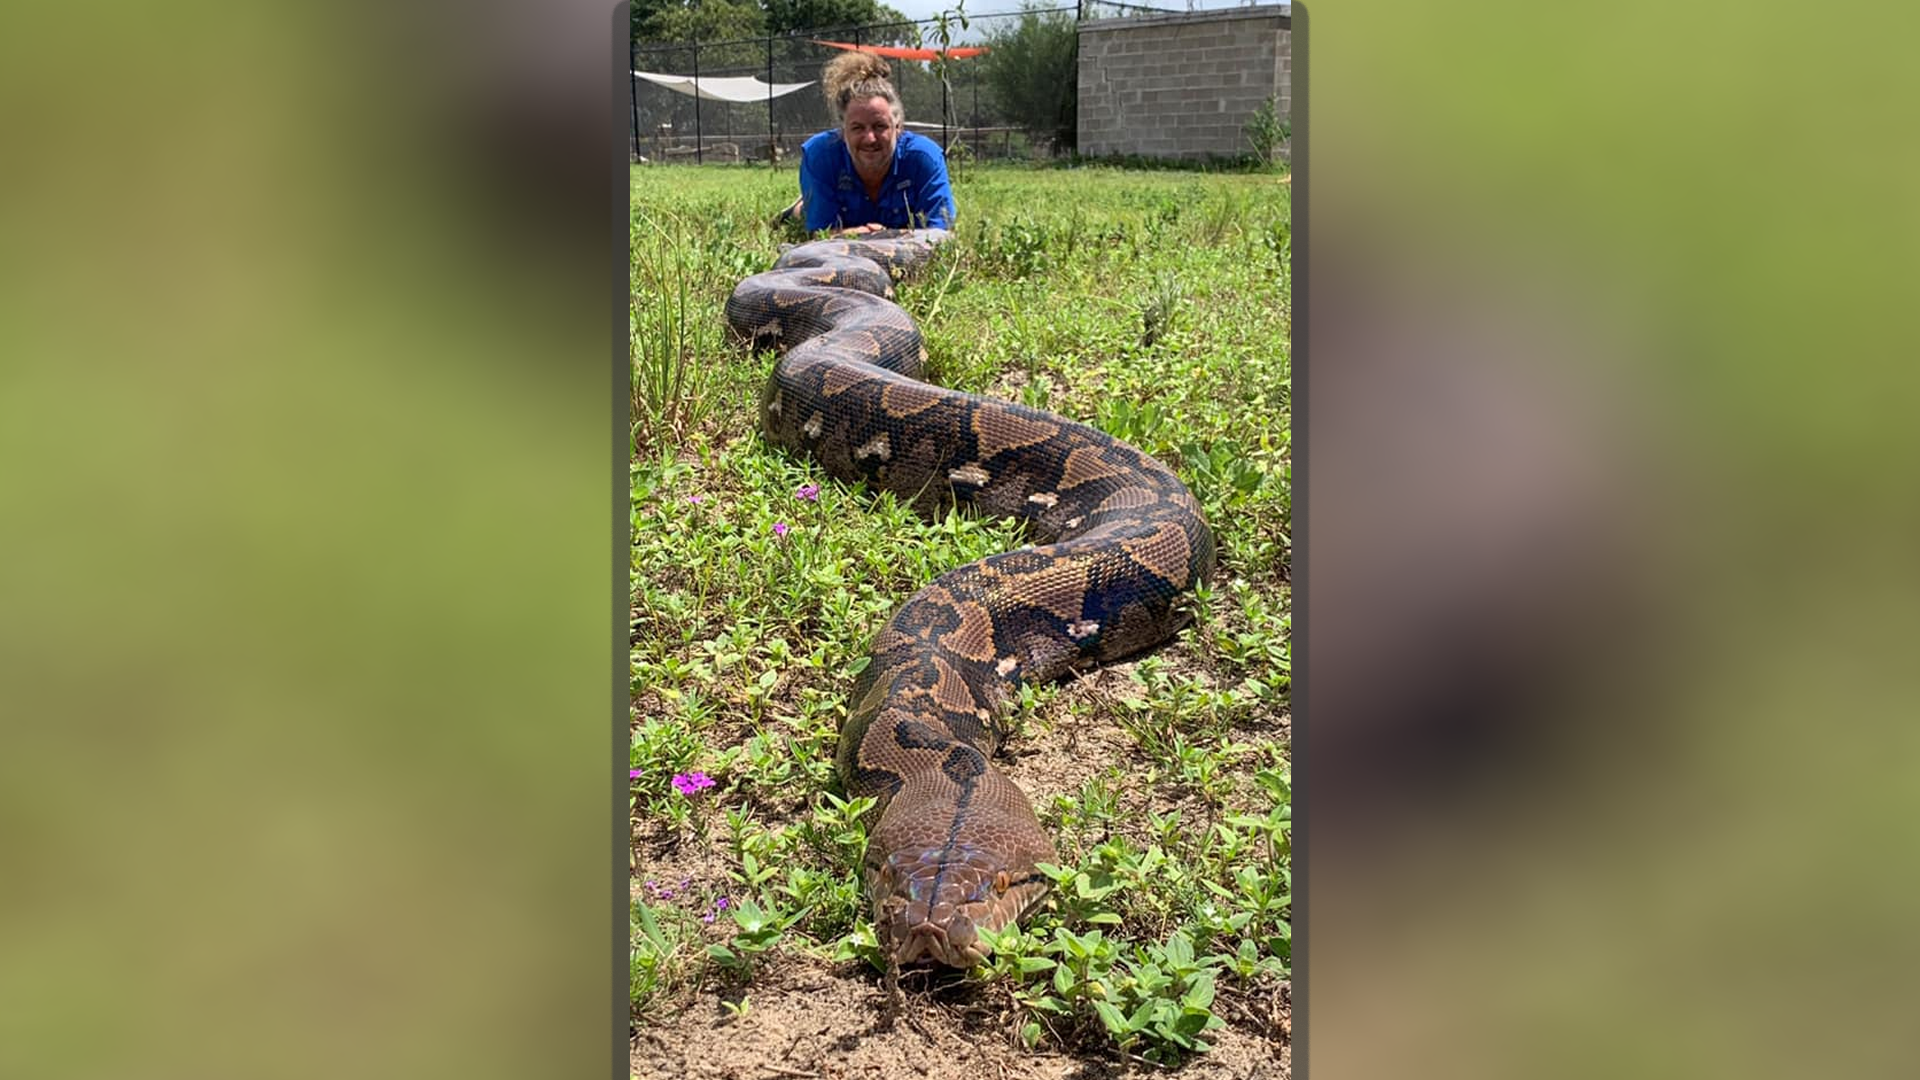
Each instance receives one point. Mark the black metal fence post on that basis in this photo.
(771, 163)
(699, 140)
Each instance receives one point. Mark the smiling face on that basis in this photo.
(871, 132)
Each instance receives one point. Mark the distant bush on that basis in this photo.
(1032, 70)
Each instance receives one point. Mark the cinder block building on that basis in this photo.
(1182, 86)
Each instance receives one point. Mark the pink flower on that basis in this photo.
(694, 498)
(779, 528)
(809, 492)
(688, 783)
(633, 774)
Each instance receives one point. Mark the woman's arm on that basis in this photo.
(930, 199)
(819, 200)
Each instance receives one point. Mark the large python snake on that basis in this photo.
(1120, 542)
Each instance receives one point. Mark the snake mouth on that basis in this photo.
(928, 942)
(931, 910)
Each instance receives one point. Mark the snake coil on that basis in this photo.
(1119, 543)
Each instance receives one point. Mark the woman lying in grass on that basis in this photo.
(870, 173)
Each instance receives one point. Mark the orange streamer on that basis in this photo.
(897, 52)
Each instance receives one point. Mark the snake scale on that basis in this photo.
(1119, 545)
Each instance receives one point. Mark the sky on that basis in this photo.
(927, 9)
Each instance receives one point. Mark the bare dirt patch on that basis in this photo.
(809, 1019)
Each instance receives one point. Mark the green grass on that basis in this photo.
(1155, 305)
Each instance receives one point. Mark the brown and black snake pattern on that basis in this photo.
(1119, 545)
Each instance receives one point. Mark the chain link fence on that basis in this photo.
(962, 111)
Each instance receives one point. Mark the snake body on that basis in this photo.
(1119, 545)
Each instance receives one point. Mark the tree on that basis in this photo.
(639, 11)
(788, 15)
(676, 21)
(1032, 71)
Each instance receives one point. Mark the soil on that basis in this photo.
(814, 1020)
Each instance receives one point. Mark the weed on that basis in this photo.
(1268, 132)
(757, 933)
(658, 958)
(1162, 308)
(668, 389)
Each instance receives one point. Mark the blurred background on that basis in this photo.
(1605, 744)
(310, 402)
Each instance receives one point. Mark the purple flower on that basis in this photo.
(809, 492)
(719, 906)
(779, 528)
(633, 774)
(688, 783)
(694, 498)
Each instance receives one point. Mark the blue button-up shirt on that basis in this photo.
(916, 185)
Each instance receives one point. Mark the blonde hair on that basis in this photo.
(858, 76)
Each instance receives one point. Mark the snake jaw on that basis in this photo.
(930, 905)
(945, 945)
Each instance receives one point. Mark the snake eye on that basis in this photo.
(1001, 882)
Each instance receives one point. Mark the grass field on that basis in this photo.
(1154, 305)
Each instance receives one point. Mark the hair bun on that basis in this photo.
(850, 72)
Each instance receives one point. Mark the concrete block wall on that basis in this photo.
(1182, 86)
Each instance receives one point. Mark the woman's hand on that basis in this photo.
(859, 230)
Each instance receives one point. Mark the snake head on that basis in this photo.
(930, 903)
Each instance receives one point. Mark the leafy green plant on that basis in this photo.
(1221, 473)
(861, 943)
(657, 955)
(1164, 1002)
(1016, 248)
(1155, 999)
(1161, 310)
(758, 932)
(1267, 132)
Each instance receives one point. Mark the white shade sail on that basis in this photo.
(724, 89)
